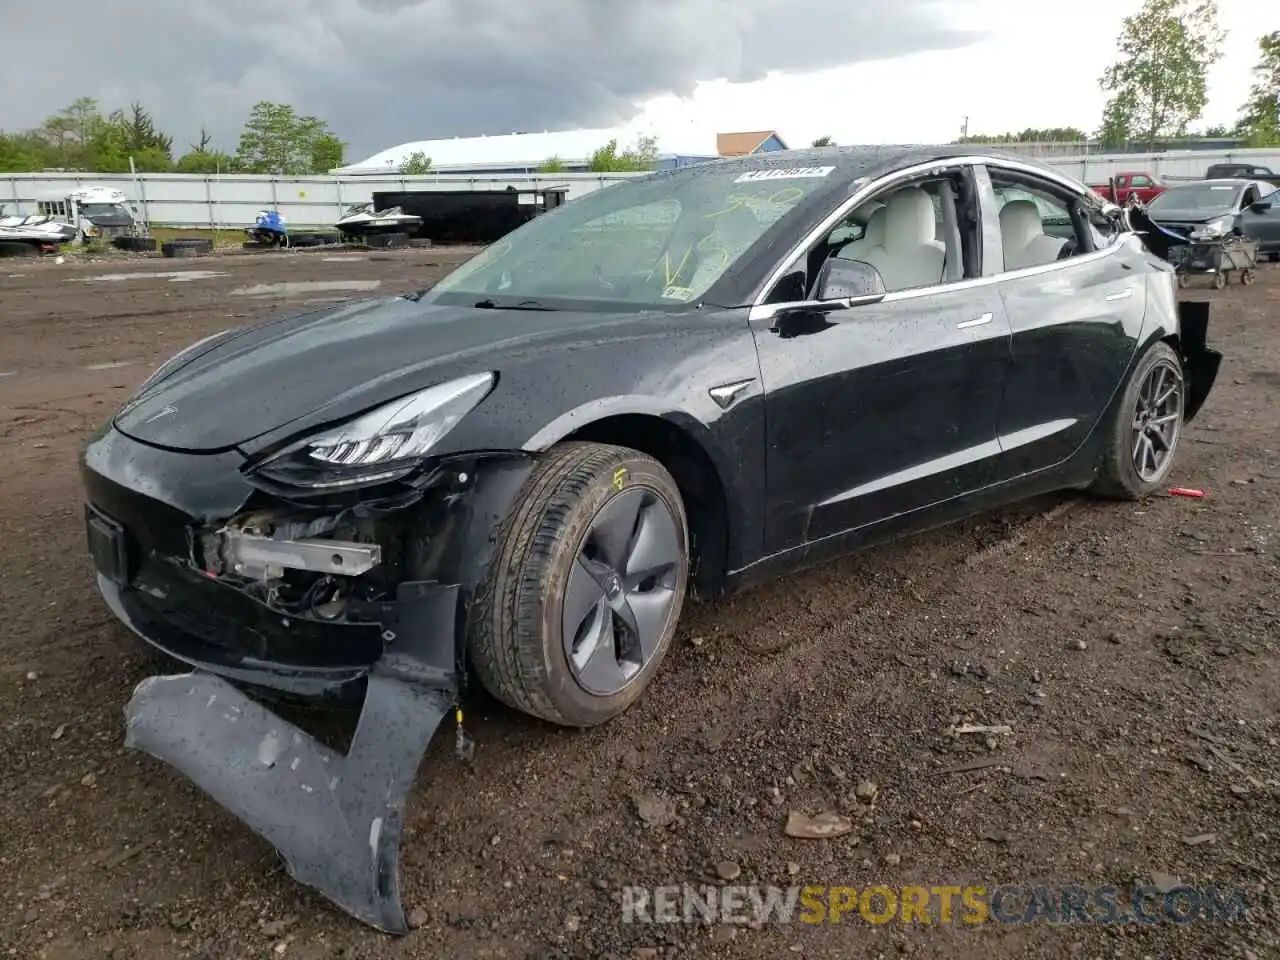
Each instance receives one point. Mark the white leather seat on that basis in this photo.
(1025, 242)
(872, 236)
(910, 256)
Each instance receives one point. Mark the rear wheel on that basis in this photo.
(1147, 428)
(1219, 280)
(583, 595)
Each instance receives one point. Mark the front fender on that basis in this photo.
(733, 447)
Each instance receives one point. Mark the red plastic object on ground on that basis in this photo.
(1185, 492)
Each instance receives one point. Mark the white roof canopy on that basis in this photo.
(531, 149)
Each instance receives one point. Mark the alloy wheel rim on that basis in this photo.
(1157, 420)
(621, 590)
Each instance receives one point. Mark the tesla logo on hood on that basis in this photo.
(159, 414)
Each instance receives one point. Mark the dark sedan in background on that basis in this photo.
(1242, 171)
(692, 380)
(1213, 209)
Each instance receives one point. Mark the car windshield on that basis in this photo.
(1200, 196)
(103, 210)
(652, 241)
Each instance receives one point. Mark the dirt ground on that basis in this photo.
(1133, 650)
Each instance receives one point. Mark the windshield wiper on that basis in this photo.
(491, 304)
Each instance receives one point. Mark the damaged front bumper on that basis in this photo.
(173, 569)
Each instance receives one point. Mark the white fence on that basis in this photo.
(186, 200)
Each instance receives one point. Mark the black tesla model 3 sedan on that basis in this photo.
(680, 383)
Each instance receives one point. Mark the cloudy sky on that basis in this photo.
(384, 72)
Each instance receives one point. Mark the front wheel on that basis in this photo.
(583, 595)
(1147, 427)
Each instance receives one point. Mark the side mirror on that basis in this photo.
(1261, 206)
(852, 280)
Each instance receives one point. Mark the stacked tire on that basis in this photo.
(135, 244)
(320, 239)
(186, 247)
(386, 241)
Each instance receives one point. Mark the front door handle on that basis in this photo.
(975, 322)
(1124, 294)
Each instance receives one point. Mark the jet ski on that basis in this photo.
(269, 230)
(36, 228)
(362, 220)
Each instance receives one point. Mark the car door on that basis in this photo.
(1073, 324)
(1261, 220)
(882, 408)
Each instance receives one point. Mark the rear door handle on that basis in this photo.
(1124, 294)
(975, 322)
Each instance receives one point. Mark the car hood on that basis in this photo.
(1174, 215)
(333, 364)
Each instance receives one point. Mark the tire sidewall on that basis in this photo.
(579, 707)
(1122, 439)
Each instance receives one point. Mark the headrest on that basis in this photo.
(909, 219)
(1020, 223)
(874, 232)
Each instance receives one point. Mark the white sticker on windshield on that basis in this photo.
(789, 173)
(1222, 188)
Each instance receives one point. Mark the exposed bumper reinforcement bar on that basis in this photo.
(335, 819)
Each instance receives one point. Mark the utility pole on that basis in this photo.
(964, 128)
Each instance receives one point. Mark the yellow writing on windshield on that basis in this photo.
(759, 202)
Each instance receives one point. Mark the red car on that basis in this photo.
(1145, 186)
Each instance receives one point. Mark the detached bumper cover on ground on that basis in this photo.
(335, 819)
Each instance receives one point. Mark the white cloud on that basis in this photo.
(1037, 69)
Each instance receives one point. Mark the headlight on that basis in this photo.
(1214, 229)
(384, 444)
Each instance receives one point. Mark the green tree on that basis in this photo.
(551, 165)
(824, 141)
(1029, 135)
(275, 140)
(327, 151)
(1117, 121)
(69, 134)
(416, 163)
(207, 162)
(21, 153)
(204, 158)
(1260, 120)
(1158, 85)
(642, 156)
(79, 137)
(126, 135)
